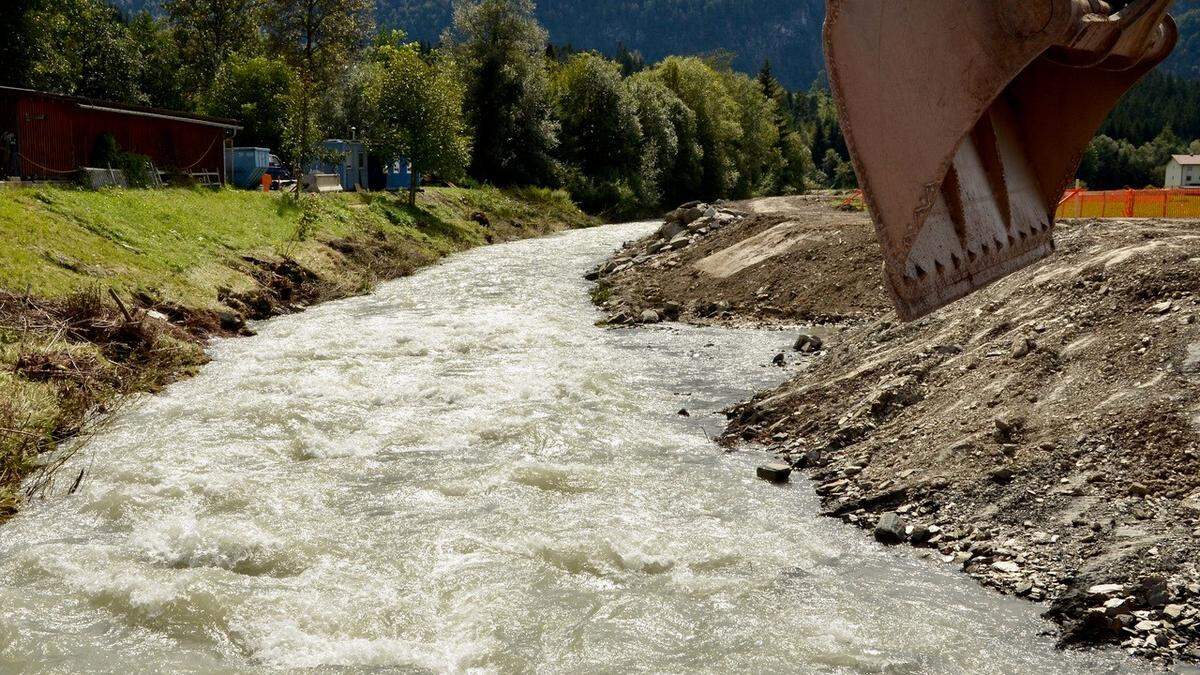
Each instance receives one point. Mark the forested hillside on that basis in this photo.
(137, 63)
(785, 32)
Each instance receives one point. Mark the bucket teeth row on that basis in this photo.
(967, 120)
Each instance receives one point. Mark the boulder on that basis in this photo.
(775, 472)
(808, 344)
(890, 529)
(670, 230)
(650, 316)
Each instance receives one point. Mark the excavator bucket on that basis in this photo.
(967, 119)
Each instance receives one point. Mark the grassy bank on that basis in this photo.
(114, 292)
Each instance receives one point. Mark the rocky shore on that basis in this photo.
(1043, 435)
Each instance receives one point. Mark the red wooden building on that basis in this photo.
(56, 135)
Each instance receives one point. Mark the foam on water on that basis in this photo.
(462, 473)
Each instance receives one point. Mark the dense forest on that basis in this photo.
(784, 32)
(496, 99)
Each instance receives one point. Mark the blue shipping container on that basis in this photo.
(249, 165)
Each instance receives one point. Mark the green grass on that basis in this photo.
(65, 248)
(185, 244)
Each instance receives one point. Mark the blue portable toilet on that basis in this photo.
(350, 162)
(247, 165)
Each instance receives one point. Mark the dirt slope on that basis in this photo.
(796, 261)
(1043, 434)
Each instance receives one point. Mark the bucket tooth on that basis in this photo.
(966, 120)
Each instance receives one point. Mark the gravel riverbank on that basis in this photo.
(1042, 435)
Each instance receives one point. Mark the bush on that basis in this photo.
(137, 168)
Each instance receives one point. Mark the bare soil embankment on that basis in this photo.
(1043, 435)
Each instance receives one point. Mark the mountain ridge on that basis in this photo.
(785, 32)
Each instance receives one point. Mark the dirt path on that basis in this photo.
(1043, 434)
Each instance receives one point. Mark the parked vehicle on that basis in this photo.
(282, 178)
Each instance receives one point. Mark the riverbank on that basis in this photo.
(1042, 435)
(104, 294)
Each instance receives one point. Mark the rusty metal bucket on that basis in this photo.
(966, 120)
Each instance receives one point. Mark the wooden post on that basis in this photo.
(1130, 197)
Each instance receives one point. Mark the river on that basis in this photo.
(460, 472)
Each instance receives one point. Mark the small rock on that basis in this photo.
(775, 472)
(1161, 308)
(1115, 606)
(231, 321)
(890, 529)
(1107, 589)
(1023, 347)
(650, 316)
(920, 534)
(1138, 490)
(1002, 476)
(779, 360)
(1173, 612)
(683, 412)
(1007, 566)
(808, 344)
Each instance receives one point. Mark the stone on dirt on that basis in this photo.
(808, 344)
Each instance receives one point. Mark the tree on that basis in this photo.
(757, 155)
(81, 47)
(601, 132)
(499, 45)
(418, 113)
(253, 90)
(718, 127)
(317, 39)
(159, 80)
(209, 31)
(631, 61)
(668, 132)
(15, 47)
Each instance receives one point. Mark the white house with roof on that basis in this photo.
(1183, 171)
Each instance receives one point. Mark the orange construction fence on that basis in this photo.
(1181, 203)
(1171, 203)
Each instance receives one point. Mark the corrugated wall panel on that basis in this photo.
(57, 137)
(44, 138)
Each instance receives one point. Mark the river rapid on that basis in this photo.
(461, 472)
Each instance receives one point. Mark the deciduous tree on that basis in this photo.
(418, 113)
(499, 45)
(317, 39)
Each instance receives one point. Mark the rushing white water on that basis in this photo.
(461, 472)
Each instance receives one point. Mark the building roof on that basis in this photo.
(1186, 160)
(123, 108)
